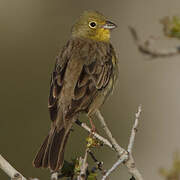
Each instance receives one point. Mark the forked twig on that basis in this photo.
(124, 156)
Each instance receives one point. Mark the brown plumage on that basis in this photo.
(84, 75)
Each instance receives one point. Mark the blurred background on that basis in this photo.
(31, 34)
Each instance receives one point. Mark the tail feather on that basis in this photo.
(61, 153)
(51, 153)
(55, 148)
(40, 155)
(45, 161)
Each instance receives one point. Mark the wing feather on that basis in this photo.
(96, 73)
(57, 76)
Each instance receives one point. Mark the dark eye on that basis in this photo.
(92, 24)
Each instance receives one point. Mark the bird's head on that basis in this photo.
(93, 25)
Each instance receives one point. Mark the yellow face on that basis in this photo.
(93, 25)
(99, 33)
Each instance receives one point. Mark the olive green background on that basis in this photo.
(32, 32)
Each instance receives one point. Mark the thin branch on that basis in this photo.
(147, 48)
(134, 130)
(83, 166)
(124, 156)
(15, 175)
(114, 167)
(116, 146)
(105, 141)
(99, 164)
(9, 170)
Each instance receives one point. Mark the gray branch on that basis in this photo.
(15, 175)
(9, 170)
(83, 166)
(125, 156)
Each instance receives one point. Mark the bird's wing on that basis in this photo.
(57, 77)
(95, 75)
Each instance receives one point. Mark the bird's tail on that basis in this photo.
(51, 152)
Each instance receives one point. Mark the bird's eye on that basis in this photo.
(92, 24)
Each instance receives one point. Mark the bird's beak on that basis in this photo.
(109, 25)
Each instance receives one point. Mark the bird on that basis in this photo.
(84, 75)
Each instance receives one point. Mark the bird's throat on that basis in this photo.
(102, 35)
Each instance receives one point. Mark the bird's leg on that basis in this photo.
(93, 128)
(92, 125)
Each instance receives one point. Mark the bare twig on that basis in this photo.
(9, 170)
(124, 156)
(15, 175)
(83, 166)
(134, 130)
(99, 164)
(116, 146)
(147, 48)
(114, 167)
